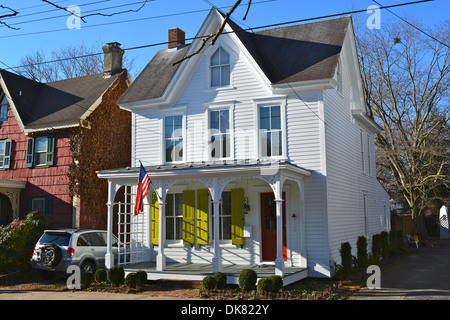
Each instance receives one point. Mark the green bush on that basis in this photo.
(131, 280)
(18, 239)
(87, 278)
(116, 275)
(264, 286)
(247, 280)
(376, 247)
(209, 283)
(221, 280)
(346, 257)
(384, 236)
(277, 283)
(361, 252)
(100, 276)
(142, 277)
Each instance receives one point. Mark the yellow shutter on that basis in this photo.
(189, 217)
(237, 216)
(202, 216)
(155, 219)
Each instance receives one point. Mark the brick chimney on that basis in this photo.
(113, 59)
(176, 38)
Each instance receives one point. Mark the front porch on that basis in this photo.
(203, 218)
(197, 271)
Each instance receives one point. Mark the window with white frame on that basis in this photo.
(38, 204)
(219, 130)
(338, 76)
(174, 216)
(270, 131)
(224, 217)
(4, 109)
(362, 151)
(173, 137)
(40, 155)
(368, 156)
(220, 68)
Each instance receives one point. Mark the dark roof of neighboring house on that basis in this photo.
(290, 54)
(57, 103)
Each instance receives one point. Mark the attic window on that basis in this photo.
(220, 68)
(4, 109)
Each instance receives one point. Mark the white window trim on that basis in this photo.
(37, 152)
(258, 103)
(216, 107)
(171, 242)
(209, 56)
(181, 111)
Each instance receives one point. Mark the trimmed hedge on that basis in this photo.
(247, 280)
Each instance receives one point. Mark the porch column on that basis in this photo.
(279, 261)
(216, 201)
(109, 256)
(161, 258)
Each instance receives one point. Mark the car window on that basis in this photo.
(97, 239)
(93, 239)
(83, 240)
(114, 240)
(58, 238)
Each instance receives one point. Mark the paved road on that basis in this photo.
(423, 275)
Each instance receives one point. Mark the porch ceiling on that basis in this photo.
(192, 169)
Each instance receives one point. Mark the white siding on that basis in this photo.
(334, 191)
(347, 182)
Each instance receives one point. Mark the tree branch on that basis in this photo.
(215, 35)
(8, 15)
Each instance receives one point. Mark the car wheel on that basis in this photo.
(87, 266)
(50, 255)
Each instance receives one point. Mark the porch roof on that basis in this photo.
(266, 167)
(14, 184)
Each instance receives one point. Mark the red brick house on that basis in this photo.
(54, 136)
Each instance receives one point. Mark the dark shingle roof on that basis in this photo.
(54, 103)
(303, 52)
(155, 77)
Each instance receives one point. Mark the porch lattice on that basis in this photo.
(131, 230)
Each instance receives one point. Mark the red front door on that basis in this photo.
(269, 227)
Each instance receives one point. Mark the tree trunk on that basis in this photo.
(418, 221)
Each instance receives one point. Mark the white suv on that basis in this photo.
(57, 249)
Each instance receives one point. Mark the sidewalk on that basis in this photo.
(423, 275)
(6, 294)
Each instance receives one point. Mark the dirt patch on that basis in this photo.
(307, 289)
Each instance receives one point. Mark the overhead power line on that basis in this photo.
(248, 29)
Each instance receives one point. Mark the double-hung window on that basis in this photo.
(220, 138)
(220, 68)
(174, 216)
(173, 137)
(5, 153)
(4, 109)
(40, 151)
(270, 131)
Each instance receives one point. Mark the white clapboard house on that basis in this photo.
(260, 152)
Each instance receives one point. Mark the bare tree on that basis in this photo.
(406, 78)
(68, 62)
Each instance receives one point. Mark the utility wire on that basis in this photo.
(414, 26)
(201, 37)
(260, 27)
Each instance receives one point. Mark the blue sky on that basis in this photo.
(48, 30)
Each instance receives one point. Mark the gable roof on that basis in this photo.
(297, 53)
(59, 103)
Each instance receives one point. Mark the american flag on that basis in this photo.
(144, 183)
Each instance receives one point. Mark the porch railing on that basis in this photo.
(131, 230)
